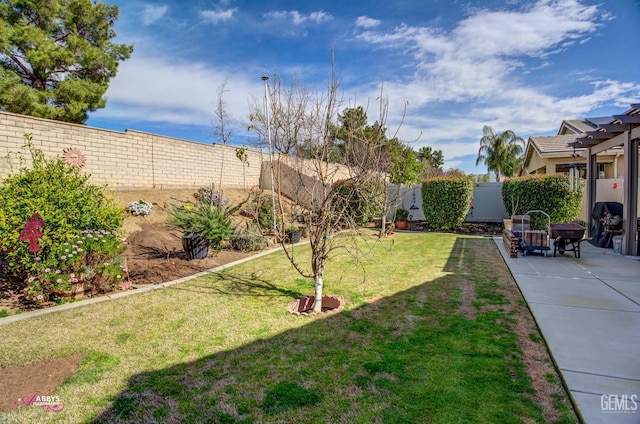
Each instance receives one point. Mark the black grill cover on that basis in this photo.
(596, 226)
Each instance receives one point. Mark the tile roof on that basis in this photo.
(554, 144)
(576, 126)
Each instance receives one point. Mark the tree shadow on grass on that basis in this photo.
(409, 357)
(228, 282)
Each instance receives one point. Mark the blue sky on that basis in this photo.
(458, 65)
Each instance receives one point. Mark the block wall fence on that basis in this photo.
(130, 159)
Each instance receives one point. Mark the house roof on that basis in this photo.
(550, 146)
(553, 144)
(557, 146)
(576, 126)
(610, 127)
(582, 133)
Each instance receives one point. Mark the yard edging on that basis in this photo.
(138, 289)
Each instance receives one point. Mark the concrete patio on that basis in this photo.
(588, 310)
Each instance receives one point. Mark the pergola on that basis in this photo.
(620, 130)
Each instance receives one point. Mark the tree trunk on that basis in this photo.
(317, 306)
(383, 221)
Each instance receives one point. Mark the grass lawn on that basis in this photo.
(434, 331)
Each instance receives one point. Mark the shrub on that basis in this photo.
(210, 221)
(72, 212)
(247, 240)
(402, 214)
(549, 193)
(446, 201)
(358, 202)
(260, 210)
(140, 208)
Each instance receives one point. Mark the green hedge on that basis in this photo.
(446, 201)
(549, 193)
(359, 202)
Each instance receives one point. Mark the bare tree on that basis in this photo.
(222, 127)
(303, 129)
(288, 109)
(223, 124)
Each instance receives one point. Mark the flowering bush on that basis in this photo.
(63, 244)
(209, 195)
(140, 208)
(91, 258)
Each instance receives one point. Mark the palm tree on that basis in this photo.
(501, 152)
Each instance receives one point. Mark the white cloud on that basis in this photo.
(531, 32)
(299, 18)
(367, 22)
(215, 16)
(481, 54)
(176, 92)
(151, 14)
(525, 110)
(476, 72)
(455, 81)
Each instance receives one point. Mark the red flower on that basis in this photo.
(31, 232)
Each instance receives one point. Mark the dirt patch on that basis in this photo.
(162, 201)
(154, 252)
(470, 228)
(20, 385)
(155, 256)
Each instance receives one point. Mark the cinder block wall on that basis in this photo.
(129, 159)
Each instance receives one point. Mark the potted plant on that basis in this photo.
(402, 215)
(292, 234)
(204, 224)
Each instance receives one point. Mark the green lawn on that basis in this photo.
(427, 335)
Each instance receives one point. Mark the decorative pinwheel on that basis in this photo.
(32, 233)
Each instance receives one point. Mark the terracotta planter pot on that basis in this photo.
(402, 225)
(77, 291)
(125, 285)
